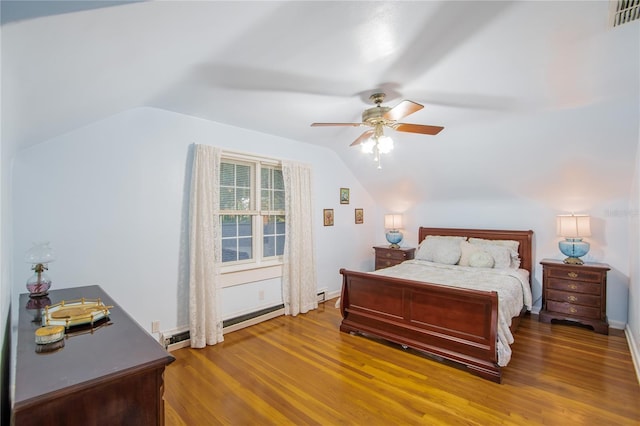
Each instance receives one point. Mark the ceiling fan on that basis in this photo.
(380, 116)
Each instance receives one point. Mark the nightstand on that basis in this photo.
(575, 293)
(387, 256)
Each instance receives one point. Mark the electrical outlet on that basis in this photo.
(155, 327)
(261, 295)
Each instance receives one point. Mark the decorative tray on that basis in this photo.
(75, 312)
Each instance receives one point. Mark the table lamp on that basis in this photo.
(574, 228)
(392, 222)
(40, 255)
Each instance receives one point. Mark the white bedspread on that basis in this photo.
(512, 286)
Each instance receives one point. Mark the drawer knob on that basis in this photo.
(573, 310)
(388, 254)
(572, 298)
(573, 286)
(388, 263)
(572, 275)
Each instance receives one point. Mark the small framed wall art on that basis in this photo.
(328, 217)
(359, 216)
(344, 195)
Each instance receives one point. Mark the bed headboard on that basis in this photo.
(523, 237)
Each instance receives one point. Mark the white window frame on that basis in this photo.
(258, 268)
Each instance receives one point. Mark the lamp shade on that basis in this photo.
(574, 226)
(392, 221)
(40, 253)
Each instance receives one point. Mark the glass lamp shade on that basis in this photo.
(367, 146)
(40, 253)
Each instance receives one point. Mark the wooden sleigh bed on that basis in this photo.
(452, 323)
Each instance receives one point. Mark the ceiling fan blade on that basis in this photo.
(337, 124)
(363, 137)
(417, 128)
(401, 110)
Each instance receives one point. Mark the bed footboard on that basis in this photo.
(456, 324)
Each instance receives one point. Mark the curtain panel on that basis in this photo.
(299, 278)
(205, 318)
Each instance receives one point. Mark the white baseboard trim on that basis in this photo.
(618, 325)
(333, 294)
(635, 352)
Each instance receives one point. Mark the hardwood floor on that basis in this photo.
(303, 371)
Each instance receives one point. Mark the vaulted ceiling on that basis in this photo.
(538, 99)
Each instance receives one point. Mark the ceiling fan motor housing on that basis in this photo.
(375, 115)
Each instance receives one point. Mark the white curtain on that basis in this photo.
(205, 252)
(299, 280)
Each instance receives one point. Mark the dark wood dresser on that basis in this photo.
(109, 374)
(575, 293)
(387, 256)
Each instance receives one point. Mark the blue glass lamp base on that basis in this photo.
(575, 248)
(394, 237)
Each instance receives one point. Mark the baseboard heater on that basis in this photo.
(181, 339)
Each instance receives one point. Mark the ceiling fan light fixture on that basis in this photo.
(385, 144)
(374, 141)
(368, 145)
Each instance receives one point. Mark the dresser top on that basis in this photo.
(586, 265)
(392, 248)
(89, 356)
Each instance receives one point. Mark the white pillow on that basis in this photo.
(501, 255)
(440, 249)
(466, 250)
(511, 245)
(481, 259)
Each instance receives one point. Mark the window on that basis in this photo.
(252, 211)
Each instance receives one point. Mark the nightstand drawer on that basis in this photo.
(576, 298)
(392, 254)
(387, 256)
(574, 286)
(574, 310)
(385, 263)
(575, 275)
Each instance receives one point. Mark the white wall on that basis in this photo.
(633, 322)
(5, 278)
(112, 197)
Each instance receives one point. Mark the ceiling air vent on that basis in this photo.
(623, 11)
